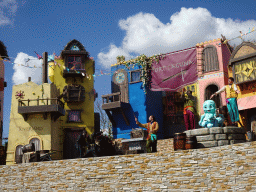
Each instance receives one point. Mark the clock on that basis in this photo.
(120, 77)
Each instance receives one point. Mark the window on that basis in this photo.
(74, 62)
(135, 76)
(210, 59)
(36, 141)
(74, 93)
(74, 116)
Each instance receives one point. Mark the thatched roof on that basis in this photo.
(3, 51)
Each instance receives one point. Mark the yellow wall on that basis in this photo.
(242, 94)
(21, 131)
(87, 115)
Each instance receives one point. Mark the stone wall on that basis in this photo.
(224, 168)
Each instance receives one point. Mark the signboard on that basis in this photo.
(244, 71)
(174, 71)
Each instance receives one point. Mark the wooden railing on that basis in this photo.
(111, 98)
(52, 102)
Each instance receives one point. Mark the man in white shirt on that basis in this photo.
(231, 94)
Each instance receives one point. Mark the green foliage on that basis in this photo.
(145, 63)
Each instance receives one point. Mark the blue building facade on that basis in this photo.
(134, 102)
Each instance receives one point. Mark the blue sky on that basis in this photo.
(110, 28)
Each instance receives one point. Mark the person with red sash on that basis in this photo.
(189, 111)
(231, 95)
(152, 128)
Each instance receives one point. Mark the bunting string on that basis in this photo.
(54, 57)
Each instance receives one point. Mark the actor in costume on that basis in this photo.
(82, 143)
(152, 128)
(231, 95)
(189, 111)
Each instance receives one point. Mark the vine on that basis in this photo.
(145, 63)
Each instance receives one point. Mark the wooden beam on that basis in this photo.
(110, 117)
(45, 68)
(126, 120)
(111, 105)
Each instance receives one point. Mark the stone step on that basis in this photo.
(216, 130)
(205, 138)
(223, 142)
(221, 136)
(188, 133)
(207, 144)
(233, 130)
(236, 137)
(236, 141)
(201, 131)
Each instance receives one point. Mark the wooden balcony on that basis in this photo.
(113, 102)
(41, 106)
(74, 73)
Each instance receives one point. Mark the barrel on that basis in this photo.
(191, 142)
(179, 141)
(28, 148)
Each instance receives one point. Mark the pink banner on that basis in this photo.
(176, 70)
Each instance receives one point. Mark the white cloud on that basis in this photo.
(21, 73)
(145, 34)
(8, 9)
(106, 59)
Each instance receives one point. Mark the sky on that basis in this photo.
(110, 28)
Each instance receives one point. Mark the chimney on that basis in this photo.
(45, 68)
(29, 79)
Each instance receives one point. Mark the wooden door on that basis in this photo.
(120, 84)
(70, 145)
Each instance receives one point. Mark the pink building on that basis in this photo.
(212, 60)
(3, 55)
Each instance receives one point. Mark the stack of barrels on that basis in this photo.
(182, 142)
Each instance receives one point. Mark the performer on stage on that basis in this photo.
(231, 95)
(82, 143)
(189, 111)
(152, 128)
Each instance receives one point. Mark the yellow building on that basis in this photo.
(242, 67)
(53, 115)
(73, 76)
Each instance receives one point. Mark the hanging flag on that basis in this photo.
(38, 56)
(101, 72)
(176, 70)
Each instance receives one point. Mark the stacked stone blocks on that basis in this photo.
(217, 136)
(224, 168)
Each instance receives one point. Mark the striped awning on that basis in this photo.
(246, 102)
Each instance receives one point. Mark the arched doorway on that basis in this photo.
(36, 141)
(211, 89)
(18, 154)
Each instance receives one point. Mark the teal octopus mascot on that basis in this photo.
(209, 118)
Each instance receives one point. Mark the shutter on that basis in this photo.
(210, 59)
